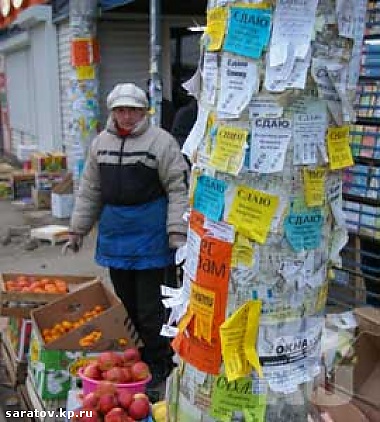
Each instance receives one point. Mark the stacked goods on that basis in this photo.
(126, 370)
(49, 162)
(59, 329)
(109, 405)
(72, 330)
(20, 293)
(25, 283)
(114, 387)
(89, 318)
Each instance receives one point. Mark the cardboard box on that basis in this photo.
(360, 379)
(50, 162)
(62, 205)
(19, 303)
(36, 402)
(48, 180)
(114, 324)
(18, 332)
(41, 198)
(22, 184)
(368, 319)
(338, 406)
(50, 370)
(5, 189)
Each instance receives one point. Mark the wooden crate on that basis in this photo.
(34, 401)
(16, 369)
(26, 404)
(19, 304)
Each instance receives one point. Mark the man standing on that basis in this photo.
(135, 184)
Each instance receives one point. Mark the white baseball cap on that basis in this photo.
(127, 95)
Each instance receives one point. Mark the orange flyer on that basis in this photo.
(84, 52)
(202, 347)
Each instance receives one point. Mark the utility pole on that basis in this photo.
(268, 150)
(155, 68)
(84, 83)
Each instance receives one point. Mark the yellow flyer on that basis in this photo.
(338, 147)
(242, 252)
(202, 305)
(314, 185)
(238, 337)
(216, 26)
(229, 150)
(252, 212)
(85, 72)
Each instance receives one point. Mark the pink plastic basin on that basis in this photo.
(89, 384)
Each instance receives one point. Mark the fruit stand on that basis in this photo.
(61, 355)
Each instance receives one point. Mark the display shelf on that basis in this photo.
(357, 281)
(375, 121)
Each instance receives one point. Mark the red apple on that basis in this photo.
(142, 396)
(117, 414)
(105, 387)
(127, 375)
(139, 409)
(140, 371)
(125, 398)
(130, 356)
(109, 359)
(92, 371)
(91, 400)
(107, 402)
(114, 375)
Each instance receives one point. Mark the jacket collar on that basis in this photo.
(141, 127)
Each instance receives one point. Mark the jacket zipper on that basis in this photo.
(120, 164)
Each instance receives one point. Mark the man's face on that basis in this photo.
(127, 117)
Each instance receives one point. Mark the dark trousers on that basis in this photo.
(140, 292)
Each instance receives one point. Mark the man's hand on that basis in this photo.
(176, 240)
(74, 243)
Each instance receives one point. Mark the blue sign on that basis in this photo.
(248, 31)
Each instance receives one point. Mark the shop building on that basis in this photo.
(35, 46)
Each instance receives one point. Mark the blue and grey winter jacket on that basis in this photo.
(136, 187)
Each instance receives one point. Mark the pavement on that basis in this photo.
(46, 258)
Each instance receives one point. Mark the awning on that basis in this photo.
(61, 7)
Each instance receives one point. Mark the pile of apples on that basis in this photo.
(108, 404)
(32, 284)
(118, 368)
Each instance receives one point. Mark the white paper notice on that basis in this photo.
(193, 249)
(330, 77)
(193, 85)
(239, 81)
(290, 353)
(334, 197)
(345, 11)
(264, 106)
(292, 21)
(269, 143)
(309, 130)
(197, 133)
(210, 77)
(296, 79)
